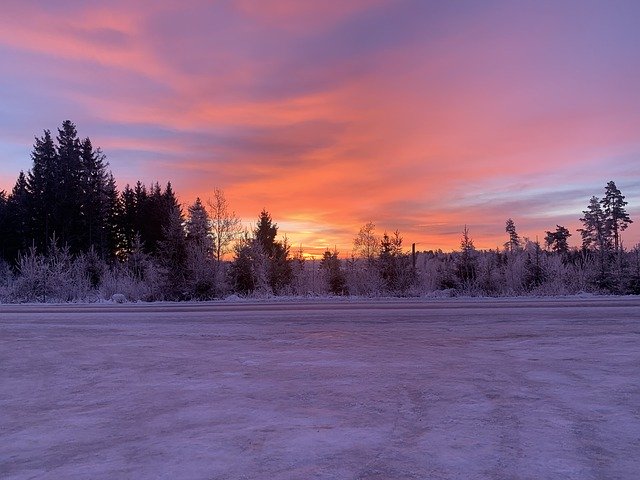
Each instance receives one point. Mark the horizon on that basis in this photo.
(417, 116)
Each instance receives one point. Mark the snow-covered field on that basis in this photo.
(440, 389)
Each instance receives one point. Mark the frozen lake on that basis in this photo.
(448, 389)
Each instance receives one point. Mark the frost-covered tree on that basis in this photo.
(200, 268)
(225, 224)
(248, 273)
(366, 244)
(261, 261)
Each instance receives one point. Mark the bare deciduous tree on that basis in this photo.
(225, 225)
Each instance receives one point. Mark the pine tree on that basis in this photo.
(98, 200)
(68, 213)
(330, 264)
(558, 240)
(533, 267)
(4, 224)
(172, 256)
(390, 261)
(199, 252)
(155, 212)
(279, 273)
(595, 234)
(198, 227)
(514, 242)
(265, 233)
(111, 220)
(127, 227)
(616, 217)
(248, 271)
(466, 267)
(17, 220)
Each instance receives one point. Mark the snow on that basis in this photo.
(438, 389)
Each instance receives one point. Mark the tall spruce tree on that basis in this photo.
(69, 216)
(330, 264)
(98, 200)
(172, 256)
(201, 273)
(467, 264)
(390, 261)
(112, 213)
(17, 233)
(279, 271)
(265, 233)
(41, 192)
(198, 226)
(126, 223)
(4, 224)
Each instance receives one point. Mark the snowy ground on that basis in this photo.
(448, 389)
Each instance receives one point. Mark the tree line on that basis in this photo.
(67, 233)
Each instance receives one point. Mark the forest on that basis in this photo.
(68, 234)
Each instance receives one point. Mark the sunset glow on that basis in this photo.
(420, 116)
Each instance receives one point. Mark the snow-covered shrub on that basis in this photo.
(6, 278)
(142, 284)
(305, 278)
(200, 279)
(56, 277)
(31, 281)
(118, 298)
(363, 278)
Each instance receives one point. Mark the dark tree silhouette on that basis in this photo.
(558, 241)
(514, 242)
(41, 192)
(467, 264)
(616, 217)
(595, 234)
(172, 256)
(330, 264)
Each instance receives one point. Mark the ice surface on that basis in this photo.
(439, 389)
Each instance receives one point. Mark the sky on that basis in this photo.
(419, 116)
